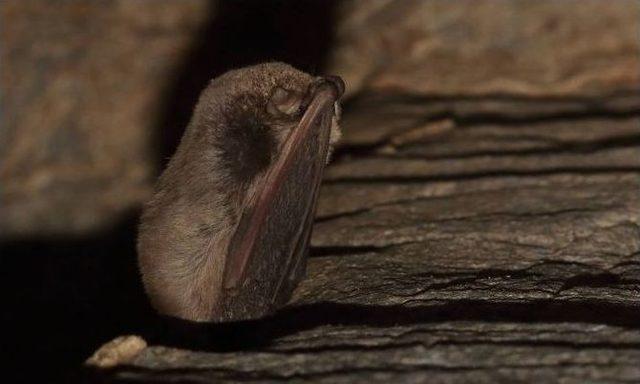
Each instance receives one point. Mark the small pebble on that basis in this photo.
(118, 351)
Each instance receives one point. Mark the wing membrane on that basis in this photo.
(267, 253)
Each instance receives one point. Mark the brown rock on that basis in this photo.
(375, 119)
(82, 81)
(440, 47)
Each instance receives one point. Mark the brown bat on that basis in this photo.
(226, 233)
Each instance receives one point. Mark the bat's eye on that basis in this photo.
(283, 101)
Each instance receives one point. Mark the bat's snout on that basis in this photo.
(337, 83)
(333, 83)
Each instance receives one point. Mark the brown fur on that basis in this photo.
(186, 226)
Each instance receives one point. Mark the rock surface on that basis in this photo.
(81, 80)
(488, 46)
(505, 248)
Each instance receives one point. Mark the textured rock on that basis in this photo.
(516, 260)
(489, 46)
(397, 116)
(81, 83)
(441, 352)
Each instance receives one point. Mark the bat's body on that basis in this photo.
(225, 235)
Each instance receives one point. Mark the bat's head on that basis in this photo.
(250, 113)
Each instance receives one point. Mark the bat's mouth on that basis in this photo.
(290, 185)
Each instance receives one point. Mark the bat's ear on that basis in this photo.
(284, 102)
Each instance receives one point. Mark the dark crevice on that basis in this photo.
(602, 280)
(322, 251)
(583, 148)
(348, 347)
(579, 170)
(630, 263)
(355, 212)
(482, 216)
(569, 275)
(599, 280)
(530, 214)
(476, 341)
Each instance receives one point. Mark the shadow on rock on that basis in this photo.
(67, 296)
(259, 333)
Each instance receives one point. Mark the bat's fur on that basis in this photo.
(229, 143)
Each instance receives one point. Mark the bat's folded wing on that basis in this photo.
(267, 253)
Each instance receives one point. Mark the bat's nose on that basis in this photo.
(335, 83)
(338, 84)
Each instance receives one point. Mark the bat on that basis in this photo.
(225, 235)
